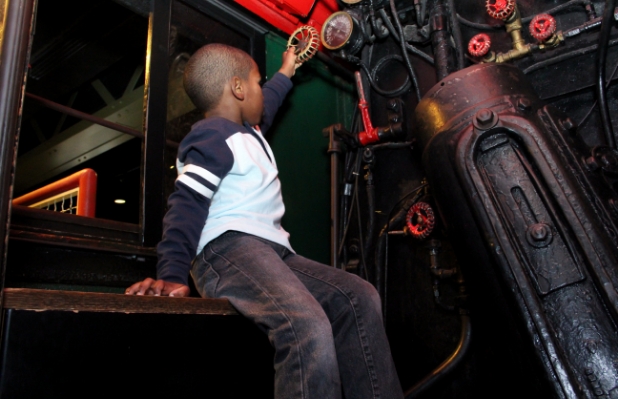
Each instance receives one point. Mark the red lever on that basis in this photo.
(479, 45)
(370, 135)
(500, 9)
(542, 27)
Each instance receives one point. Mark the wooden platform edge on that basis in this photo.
(73, 301)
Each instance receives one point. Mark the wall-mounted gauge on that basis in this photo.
(341, 32)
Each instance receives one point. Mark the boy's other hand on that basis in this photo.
(289, 64)
(158, 288)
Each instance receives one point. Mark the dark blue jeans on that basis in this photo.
(324, 323)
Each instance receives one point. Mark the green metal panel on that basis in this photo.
(319, 99)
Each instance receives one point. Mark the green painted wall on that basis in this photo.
(319, 99)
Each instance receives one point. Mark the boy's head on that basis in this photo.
(209, 70)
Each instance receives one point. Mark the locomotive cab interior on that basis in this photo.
(460, 156)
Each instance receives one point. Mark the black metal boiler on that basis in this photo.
(533, 206)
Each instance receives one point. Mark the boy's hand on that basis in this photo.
(158, 287)
(289, 64)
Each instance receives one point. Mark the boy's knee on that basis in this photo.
(367, 295)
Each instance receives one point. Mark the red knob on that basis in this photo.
(500, 9)
(542, 27)
(479, 45)
(420, 220)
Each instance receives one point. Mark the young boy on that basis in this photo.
(324, 323)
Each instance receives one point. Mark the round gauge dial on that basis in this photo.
(337, 30)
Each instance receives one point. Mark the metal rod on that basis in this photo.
(449, 364)
(601, 58)
(91, 118)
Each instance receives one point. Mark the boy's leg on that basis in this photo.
(353, 307)
(249, 272)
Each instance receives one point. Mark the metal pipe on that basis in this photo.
(402, 43)
(456, 32)
(449, 364)
(334, 149)
(91, 118)
(606, 26)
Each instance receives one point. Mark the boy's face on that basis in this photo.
(254, 100)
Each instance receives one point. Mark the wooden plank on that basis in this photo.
(67, 241)
(42, 300)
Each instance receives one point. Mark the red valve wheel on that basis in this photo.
(500, 9)
(306, 41)
(542, 27)
(479, 45)
(420, 220)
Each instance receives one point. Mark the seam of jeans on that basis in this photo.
(301, 366)
(207, 266)
(369, 363)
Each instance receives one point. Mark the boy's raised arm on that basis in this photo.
(289, 63)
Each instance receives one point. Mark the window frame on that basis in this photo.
(90, 233)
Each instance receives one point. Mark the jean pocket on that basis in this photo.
(205, 278)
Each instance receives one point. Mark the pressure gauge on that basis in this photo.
(341, 32)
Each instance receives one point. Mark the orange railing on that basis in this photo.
(74, 194)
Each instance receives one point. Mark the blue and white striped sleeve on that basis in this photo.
(203, 166)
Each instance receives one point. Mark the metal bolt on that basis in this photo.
(394, 119)
(567, 124)
(613, 203)
(538, 232)
(524, 104)
(591, 163)
(609, 160)
(539, 235)
(484, 116)
(392, 105)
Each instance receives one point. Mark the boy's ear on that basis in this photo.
(238, 89)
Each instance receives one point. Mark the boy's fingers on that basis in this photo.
(157, 287)
(181, 291)
(145, 286)
(139, 288)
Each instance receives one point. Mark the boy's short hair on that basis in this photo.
(209, 68)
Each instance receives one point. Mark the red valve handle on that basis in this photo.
(542, 27)
(500, 9)
(479, 45)
(420, 220)
(370, 134)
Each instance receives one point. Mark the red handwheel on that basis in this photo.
(306, 40)
(479, 45)
(420, 220)
(500, 9)
(542, 27)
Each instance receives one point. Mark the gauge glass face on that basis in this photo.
(337, 30)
